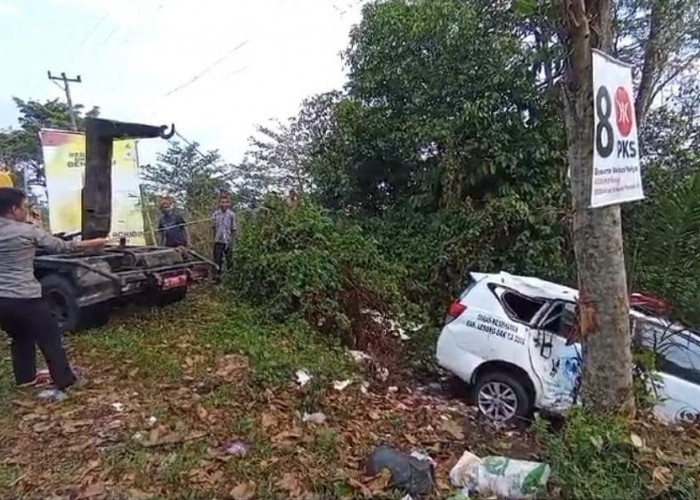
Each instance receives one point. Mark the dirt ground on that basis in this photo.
(170, 413)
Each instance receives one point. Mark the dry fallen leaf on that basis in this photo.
(636, 440)
(291, 484)
(268, 420)
(662, 476)
(244, 491)
(380, 482)
(202, 413)
(94, 490)
(453, 429)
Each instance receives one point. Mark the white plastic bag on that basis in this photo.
(500, 476)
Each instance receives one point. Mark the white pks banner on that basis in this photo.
(616, 173)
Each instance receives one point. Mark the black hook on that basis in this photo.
(165, 135)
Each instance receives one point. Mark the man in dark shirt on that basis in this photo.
(172, 229)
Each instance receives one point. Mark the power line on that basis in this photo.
(90, 33)
(206, 70)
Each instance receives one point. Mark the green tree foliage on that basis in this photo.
(20, 149)
(194, 179)
(442, 106)
(327, 270)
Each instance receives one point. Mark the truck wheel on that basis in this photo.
(501, 397)
(170, 297)
(95, 316)
(62, 298)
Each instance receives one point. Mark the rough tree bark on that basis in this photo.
(603, 302)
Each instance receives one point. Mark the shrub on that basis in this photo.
(594, 457)
(301, 261)
(440, 248)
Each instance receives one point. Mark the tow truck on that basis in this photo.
(82, 287)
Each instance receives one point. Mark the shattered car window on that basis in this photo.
(560, 319)
(520, 307)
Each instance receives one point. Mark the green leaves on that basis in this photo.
(301, 261)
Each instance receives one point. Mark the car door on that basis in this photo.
(555, 361)
(677, 381)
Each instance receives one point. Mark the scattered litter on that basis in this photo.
(151, 421)
(499, 476)
(235, 448)
(359, 356)
(413, 475)
(393, 388)
(314, 418)
(303, 377)
(340, 385)
(53, 395)
(140, 437)
(118, 406)
(423, 457)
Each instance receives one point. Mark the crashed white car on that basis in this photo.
(507, 337)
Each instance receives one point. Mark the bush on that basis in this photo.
(302, 262)
(593, 457)
(440, 248)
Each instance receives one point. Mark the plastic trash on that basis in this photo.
(235, 448)
(53, 395)
(314, 418)
(411, 474)
(500, 476)
(303, 377)
(340, 385)
(359, 356)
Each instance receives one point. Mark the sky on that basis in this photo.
(215, 68)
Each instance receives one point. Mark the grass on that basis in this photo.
(276, 351)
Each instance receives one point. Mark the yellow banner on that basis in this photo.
(64, 163)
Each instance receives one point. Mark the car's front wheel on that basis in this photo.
(502, 398)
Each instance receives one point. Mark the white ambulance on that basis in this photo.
(507, 337)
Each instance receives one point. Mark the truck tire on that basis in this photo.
(170, 297)
(95, 316)
(61, 295)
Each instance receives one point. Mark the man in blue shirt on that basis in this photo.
(172, 228)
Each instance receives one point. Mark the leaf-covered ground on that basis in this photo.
(199, 400)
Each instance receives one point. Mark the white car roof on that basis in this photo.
(537, 288)
(532, 287)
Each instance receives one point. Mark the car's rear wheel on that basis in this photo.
(502, 398)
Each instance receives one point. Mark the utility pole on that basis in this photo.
(66, 88)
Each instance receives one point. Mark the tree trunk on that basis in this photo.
(603, 302)
(652, 61)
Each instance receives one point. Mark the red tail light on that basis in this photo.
(454, 312)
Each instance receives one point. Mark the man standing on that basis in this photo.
(172, 229)
(224, 229)
(24, 315)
